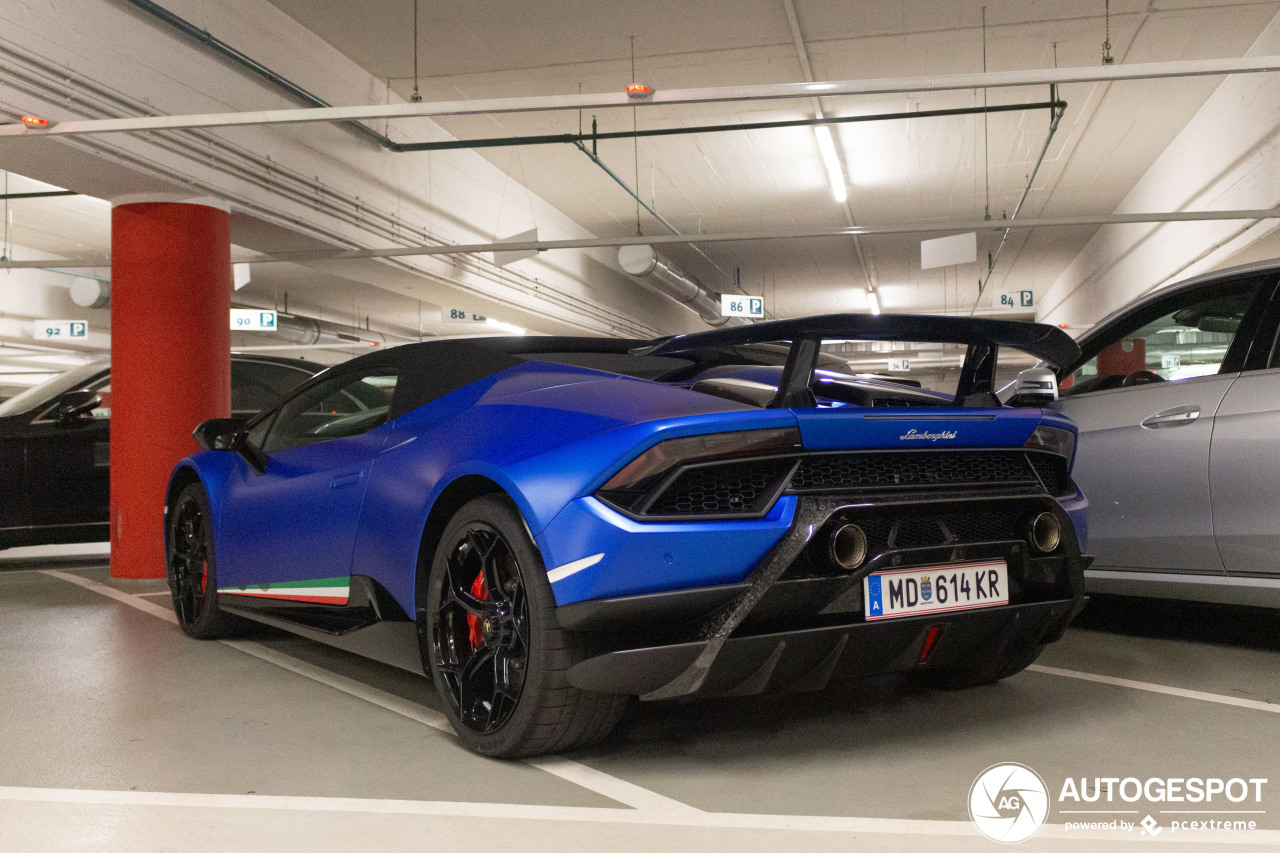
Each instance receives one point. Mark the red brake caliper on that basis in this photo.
(479, 590)
(204, 575)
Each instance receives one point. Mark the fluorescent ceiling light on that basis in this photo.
(829, 159)
(874, 301)
(25, 379)
(505, 327)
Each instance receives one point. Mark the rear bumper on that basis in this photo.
(808, 659)
(794, 623)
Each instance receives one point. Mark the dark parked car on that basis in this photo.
(54, 447)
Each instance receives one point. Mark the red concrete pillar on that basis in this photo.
(170, 359)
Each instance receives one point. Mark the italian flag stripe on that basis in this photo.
(321, 591)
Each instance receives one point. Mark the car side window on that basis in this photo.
(348, 404)
(256, 385)
(1190, 337)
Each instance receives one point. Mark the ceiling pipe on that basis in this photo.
(713, 237)
(1054, 118)
(722, 94)
(579, 139)
(648, 207)
(250, 64)
(307, 331)
(666, 278)
(42, 194)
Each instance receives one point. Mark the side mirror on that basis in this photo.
(229, 434)
(76, 404)
(220, 434)
(1035, 387)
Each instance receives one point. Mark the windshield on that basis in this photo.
(45, 393)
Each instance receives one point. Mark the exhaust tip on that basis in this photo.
(1045, 533)
(848, 546)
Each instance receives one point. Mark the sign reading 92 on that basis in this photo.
(61, 330)
(732, 305)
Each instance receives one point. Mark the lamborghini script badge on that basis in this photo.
(916, 435)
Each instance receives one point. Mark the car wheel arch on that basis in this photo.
(182, 477)
(452, 498)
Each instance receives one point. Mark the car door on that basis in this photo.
(67, 472)
(1144, 399)
(1244, 460)
(295, 521)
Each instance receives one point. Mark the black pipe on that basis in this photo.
(252, 65)
(577, 138)
(293, 89)
(45, 194)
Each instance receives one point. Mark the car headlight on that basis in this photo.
(1053, 440)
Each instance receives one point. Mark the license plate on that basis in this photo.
(935, 589)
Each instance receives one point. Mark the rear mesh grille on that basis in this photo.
(741, 487)
(868, 471)
(982, 526)
(917, 532)
(1053, 473)
(747, 487)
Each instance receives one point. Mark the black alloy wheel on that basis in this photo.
(192, 572)
(490, 640)
(481, 629)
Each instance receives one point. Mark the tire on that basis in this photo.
(192, 570)
(1010, 664)
(490, 640)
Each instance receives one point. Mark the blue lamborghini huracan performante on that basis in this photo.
(550, 527)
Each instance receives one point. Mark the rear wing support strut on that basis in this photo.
(977, 376)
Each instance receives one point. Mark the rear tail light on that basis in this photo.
(1053, 440)
(648, 470)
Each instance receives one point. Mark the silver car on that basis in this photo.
(1177, 397)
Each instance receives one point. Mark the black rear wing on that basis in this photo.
(977, 376)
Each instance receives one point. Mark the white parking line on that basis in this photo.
(1252, 704)
(577, 814)
(571, 771)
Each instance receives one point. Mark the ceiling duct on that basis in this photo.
(665, 277)
(308, 331)
(90, 292)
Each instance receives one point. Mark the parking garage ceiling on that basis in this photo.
(929, 171)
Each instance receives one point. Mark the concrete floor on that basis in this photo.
(122, 734)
